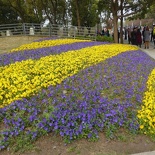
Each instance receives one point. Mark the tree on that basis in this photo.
(54, 10)
(34, 11)
(84, 12)
(38, 11)
(104, 13)
(151, 13)
(7, 14)
(27, 10)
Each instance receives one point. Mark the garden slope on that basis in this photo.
(99, 87)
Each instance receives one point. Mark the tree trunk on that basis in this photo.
(115, 20)
(77, 13)
(121, 31)
(115, 23)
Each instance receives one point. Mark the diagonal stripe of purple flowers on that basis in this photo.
(8, 58)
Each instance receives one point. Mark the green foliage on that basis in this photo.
(110, 131)
(55, 11)
(25, 11)
(22, 143)
(85, 37)
(104, 39)
(86, 11)
(7, 14)
(151, 13)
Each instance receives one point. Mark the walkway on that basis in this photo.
(145, 153)
(150, 51)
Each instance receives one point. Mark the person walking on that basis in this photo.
(147, 37)
(139, 37)
(143, 34)
(106, 32)
(118, 35)
(134, 36)
(102, 33)
(129, 35)
(153, 35)
(125, 33)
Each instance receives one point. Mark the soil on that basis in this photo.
(53, 144)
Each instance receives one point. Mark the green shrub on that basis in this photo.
(104, 38)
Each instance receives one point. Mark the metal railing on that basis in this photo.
(34, 29)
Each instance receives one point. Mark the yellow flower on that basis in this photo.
(46, 43)
(141, 126)
(147, 112)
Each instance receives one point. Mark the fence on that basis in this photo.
(33, 29)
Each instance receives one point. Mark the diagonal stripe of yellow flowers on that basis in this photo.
(47, 43)
(147, 113)
(26, 78)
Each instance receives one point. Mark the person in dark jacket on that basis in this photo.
(134, 36)
(118, 35)
(139, 38)
(143, 34)
(102, 33)
(129, 35)
(153, 35)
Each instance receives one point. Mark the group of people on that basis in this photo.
(136, 36)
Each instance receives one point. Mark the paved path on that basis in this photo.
(150, 51)
(145, 153)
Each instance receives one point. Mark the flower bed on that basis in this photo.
(13, 57)
(46, 43)
(26, 78)
(76, 93)
(146, 114)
